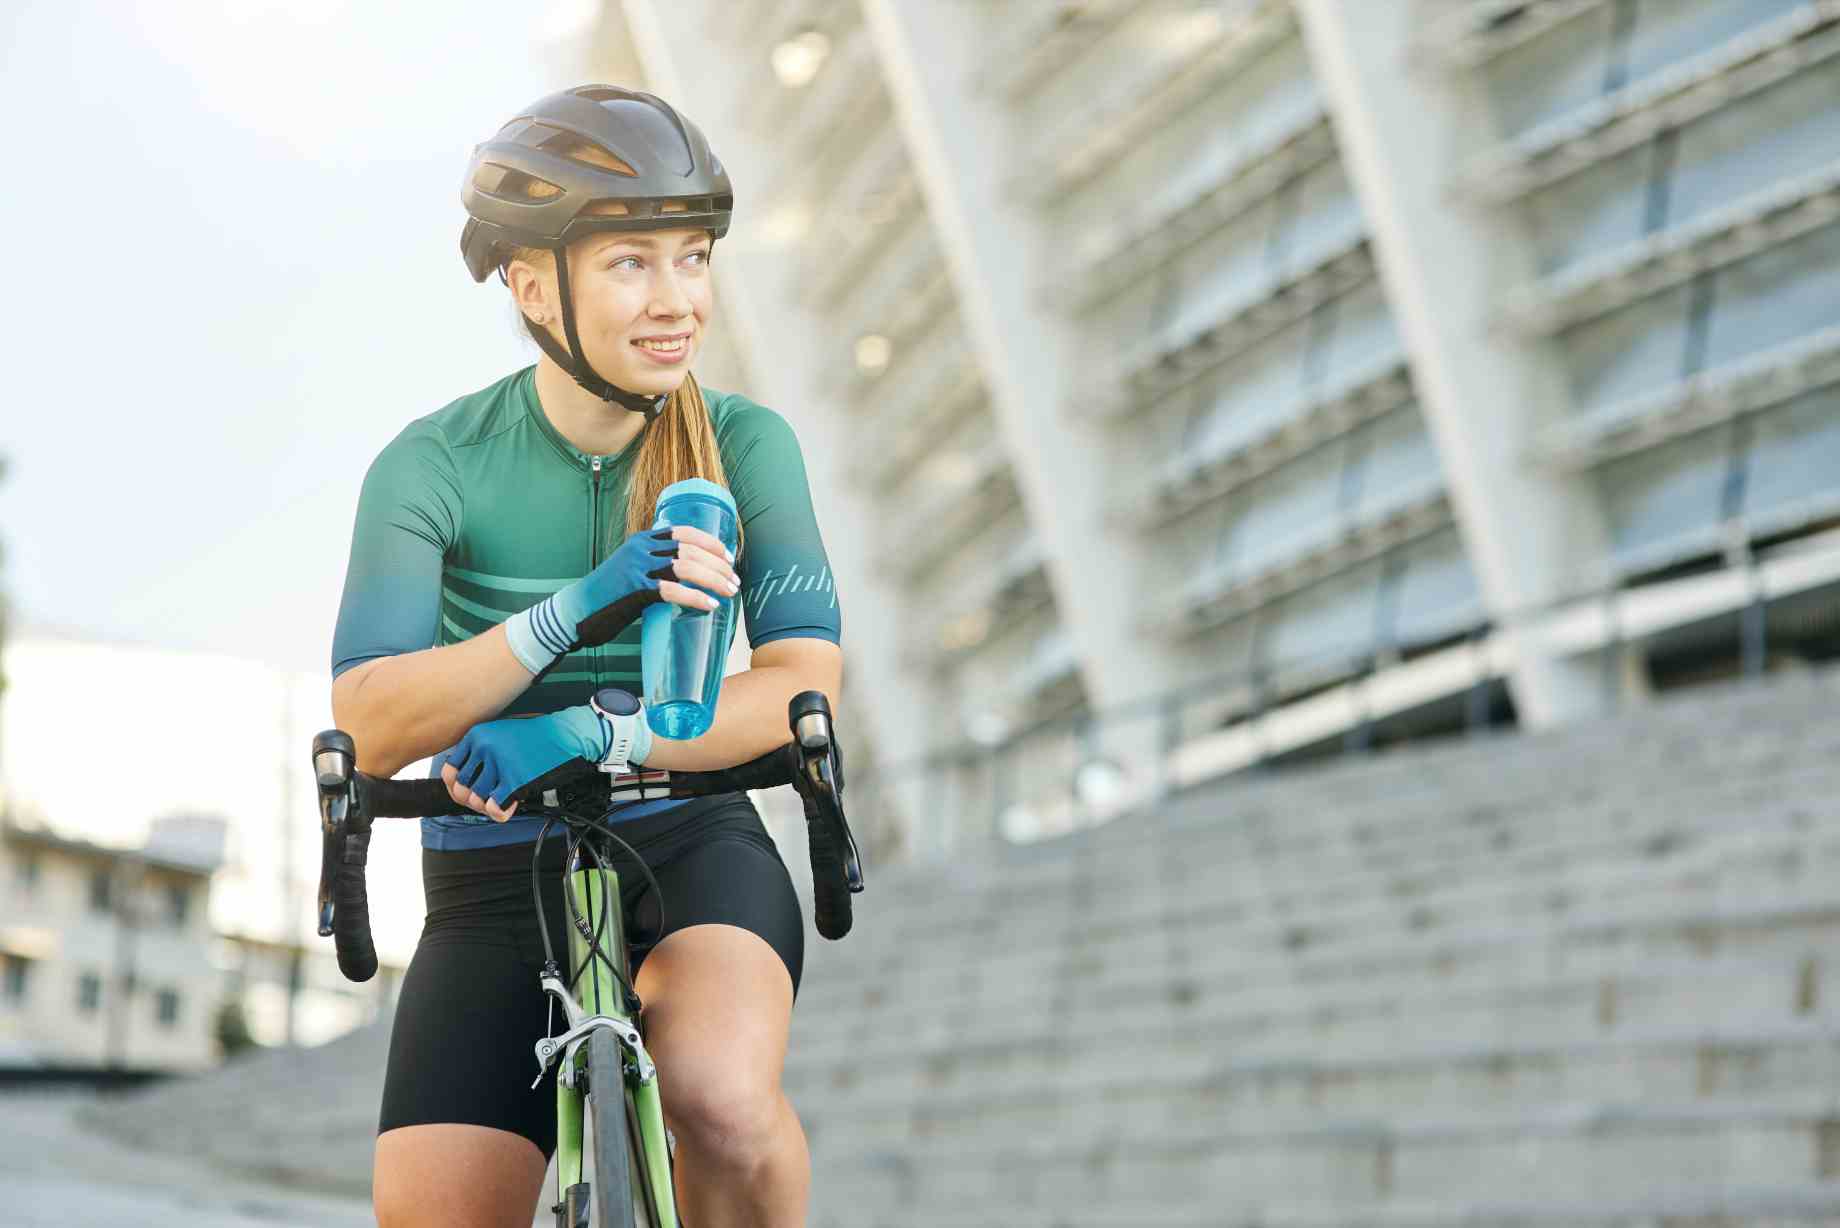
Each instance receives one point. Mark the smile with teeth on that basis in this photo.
(662, 346)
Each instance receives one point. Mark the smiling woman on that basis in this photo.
(466, 604)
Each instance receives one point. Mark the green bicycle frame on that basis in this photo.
(599, 994)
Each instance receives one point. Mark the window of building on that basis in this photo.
(166, 1007)
(178, 903)
(1431, 592)
(89, 992)
(25, 872)
(1794, 455)
(13, 979)
(101, 889)
(1666, 503)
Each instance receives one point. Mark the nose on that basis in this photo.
(669, 300)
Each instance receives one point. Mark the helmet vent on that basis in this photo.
(507, 183)
(586, 153)
(607, 208)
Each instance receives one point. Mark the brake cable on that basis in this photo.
(584, 841)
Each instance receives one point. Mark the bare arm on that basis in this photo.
(751, 710)
(406, 707)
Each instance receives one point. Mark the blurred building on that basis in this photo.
(1230, 380)
(106, 951)
(292, 993)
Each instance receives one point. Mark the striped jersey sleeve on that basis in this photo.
(787, 589)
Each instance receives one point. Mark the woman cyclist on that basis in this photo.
(494, 585)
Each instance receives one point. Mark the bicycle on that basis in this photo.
(603, 1046)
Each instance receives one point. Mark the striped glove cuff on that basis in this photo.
(538, 635)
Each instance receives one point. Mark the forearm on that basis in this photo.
(750, 719)
(406, 707)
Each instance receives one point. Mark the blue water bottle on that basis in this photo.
(682, 651)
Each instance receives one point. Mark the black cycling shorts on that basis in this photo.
(470, 1011)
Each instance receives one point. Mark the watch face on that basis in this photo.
(615, 702)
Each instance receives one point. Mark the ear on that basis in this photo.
(534, 291)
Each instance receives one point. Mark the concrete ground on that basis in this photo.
(56, 1174)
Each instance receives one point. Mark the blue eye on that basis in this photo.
(632, 260)
(701, 255)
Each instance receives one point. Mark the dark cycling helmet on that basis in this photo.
(589, 159)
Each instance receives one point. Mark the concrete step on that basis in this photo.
(1676, 1204)
(1214, 866)
(1604, 1150)
(1780, 850)
(1190, 965)
(304, 1117)
(1745, 722)
(1766, 732)
(1712, 992)
(1083, 1092)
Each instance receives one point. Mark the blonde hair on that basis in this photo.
(680, 443)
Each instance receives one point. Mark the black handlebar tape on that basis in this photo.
(380, 797)
(351, 911)
(769, 771)
(830, 888)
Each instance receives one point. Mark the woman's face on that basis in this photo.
(642, 300)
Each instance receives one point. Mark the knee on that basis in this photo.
(726, 1117)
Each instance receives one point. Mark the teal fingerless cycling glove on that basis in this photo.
(597, 607)
(518, 757)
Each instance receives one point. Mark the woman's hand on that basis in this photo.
(501, 758)
(682, 565)
(702, 560)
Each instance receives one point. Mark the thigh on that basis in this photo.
(467, 1016)
(727, 872)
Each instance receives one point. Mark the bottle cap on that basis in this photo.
(695, 488)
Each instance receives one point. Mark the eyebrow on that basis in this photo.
(646, 239)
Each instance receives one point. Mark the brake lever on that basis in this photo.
(334, 763)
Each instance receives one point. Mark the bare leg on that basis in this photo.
(717, 1015)
(455, 1176)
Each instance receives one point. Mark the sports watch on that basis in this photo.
(620, 712)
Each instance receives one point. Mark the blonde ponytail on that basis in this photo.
(679, 444)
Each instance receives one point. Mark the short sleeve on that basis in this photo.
(787, 588)
(409, 515)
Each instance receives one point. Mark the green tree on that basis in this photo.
(232, 1028)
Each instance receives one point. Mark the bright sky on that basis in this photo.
(241, 223)
(235, 231)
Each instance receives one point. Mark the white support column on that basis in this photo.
(1482, 395)
(899, 709)
(994, 250)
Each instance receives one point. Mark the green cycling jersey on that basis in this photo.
(482, 509)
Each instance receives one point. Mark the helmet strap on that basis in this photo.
(575, 363)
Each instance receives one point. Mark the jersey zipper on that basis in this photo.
(594, 528)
